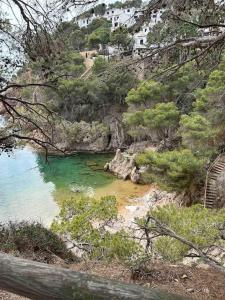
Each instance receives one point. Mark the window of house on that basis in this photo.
(116, 24)
(145, 29)
(141, 42)
(87, 21)
(128, 10)
(154, 16)
(83, 21)
(107, 12)
(112, 11)
(155, 11)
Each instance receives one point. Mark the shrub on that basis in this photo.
(87, 222)
(32, 240)
(196, 225)
(175, 170)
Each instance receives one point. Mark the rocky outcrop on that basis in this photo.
(123, 166)
(118, 138)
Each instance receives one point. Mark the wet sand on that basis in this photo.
(126, 192)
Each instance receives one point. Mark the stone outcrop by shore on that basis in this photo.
(123, 166)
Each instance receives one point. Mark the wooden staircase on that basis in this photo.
(211, 192)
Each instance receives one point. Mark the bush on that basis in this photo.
(175, 170)
(32, 240)
(197, 225)
(87, 222)
(148, 92)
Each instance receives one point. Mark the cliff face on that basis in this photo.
(97, 137)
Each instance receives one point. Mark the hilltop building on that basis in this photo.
(126, 17)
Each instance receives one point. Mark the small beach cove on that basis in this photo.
(31, 188)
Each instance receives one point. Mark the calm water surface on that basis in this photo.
(30, 187)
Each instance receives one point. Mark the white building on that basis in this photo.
(119, 17)
(127, 17)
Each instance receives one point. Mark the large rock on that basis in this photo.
(123, 166)
(117, 137)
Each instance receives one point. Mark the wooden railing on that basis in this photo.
(40, 281)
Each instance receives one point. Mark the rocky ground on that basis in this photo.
(200, 282)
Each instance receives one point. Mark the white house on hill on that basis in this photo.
(118, 16)
(126, 17)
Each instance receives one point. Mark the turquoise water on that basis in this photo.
(30, 186)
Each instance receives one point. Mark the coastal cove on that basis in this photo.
(31, 188)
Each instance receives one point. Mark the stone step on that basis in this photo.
(209, 206)
(217, 169)
(212, 189)
(213, 200)
(214, 171)
(213, 177)
(219, 164)
(210, 195)
(210, 200)
(209, 190)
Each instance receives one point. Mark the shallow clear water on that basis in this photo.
(30, 187)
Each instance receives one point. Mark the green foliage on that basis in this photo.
(97, 23)
(134, 119)
(203, 130)
(86, 220)
(119, 81)
(100, 9)
(121, 38)
(126, 4)
(73, 36)
(209, 99)
(32, 240)
(195, 224)
(100, 65)
(100, 36)
(85, 100)
(197, 133)
(162, 116)
(174, 170)
(148, 92)
(78, 96)
(70, 64)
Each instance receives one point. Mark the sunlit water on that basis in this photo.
(31, 188)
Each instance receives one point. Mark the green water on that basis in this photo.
(30, 187)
